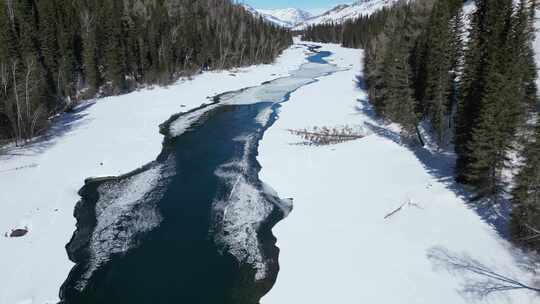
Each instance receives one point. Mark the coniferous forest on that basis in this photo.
(475, 89)
(54, 53)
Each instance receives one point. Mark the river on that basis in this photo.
(193, 226)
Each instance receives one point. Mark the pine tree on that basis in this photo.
(59, 50)
(114, 65)
(438, 68)
(489, 142)
(525, 227)
(49, 41)
(399, 104)
(526, 193)
(484, 84)
(472, 85)
(89, 53)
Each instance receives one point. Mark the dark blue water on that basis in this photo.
(319, 56)
(191, 254)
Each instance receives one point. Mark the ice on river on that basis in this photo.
(275, 91)
(126, 209)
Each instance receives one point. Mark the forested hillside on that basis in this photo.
(474, 87)
(354, 33)
(53, 53)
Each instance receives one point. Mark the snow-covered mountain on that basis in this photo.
(345, 12)
(299, 19)
(287, 17)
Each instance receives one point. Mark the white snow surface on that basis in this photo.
(344, 12)
(108, 137)
(336, 245)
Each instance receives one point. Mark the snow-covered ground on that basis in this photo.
(112, 136)
(373, 221)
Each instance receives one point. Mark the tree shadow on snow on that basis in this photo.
(439, 164)
(480, 280)
(59, 126)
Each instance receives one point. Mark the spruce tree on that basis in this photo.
(525, 227)
(472, 86)
(68, 48)
(486, 94)
(438, 69)
(399, 104)
(114, 65)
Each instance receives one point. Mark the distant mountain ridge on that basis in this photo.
(287, 17)
(344, 12)
(298, 19)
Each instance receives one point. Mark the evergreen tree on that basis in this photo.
(438, 68)
(89, 53)
(399, 104)
(59, 50)
(114, 64)
(49, 43)
(525, 227)
(486, 67)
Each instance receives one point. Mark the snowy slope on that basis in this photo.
(110, 137)
(290, 17)
(346, 12)
(341, 245)
(287, 17)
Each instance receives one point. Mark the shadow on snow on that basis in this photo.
(440, 165)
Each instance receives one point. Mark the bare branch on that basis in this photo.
(328, 136)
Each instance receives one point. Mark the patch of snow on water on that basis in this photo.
(239, 215)
(123, 212)
(264, 116)
(187, 120)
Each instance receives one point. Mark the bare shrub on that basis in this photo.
(324, 136)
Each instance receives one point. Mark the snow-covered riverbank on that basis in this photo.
(336, 245)
(115, 135)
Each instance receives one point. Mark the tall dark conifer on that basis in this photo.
(438, 64)
(61, 51)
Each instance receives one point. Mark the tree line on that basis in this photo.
(56, 52)
(472, 80)
(353, 33)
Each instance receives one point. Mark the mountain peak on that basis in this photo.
(287, 17)
(344, 12)
(300, 19)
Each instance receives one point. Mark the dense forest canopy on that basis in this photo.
(474, 88)
(55, 52)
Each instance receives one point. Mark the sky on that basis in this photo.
(313, 6)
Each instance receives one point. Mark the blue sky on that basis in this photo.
(315, 6)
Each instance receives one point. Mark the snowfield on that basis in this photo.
(106, 137)
(374, 221)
